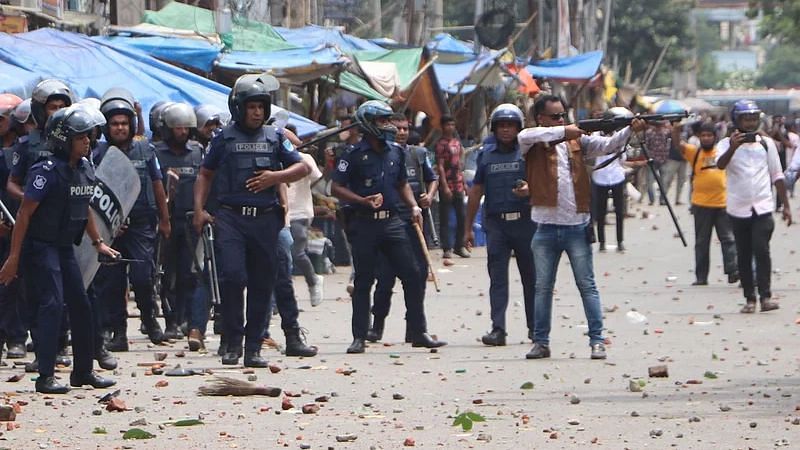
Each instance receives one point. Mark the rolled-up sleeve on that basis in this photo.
(595, 145)
(529, 136)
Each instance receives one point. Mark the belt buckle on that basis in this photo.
(249, 211)
(381, 215)
(511, 216)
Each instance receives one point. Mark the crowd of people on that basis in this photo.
(227, 207)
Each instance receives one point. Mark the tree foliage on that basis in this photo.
(782, 67)
(640, 30)
(780, 20)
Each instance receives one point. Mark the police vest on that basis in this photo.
(502, 170)
(140, 153)
(245, 154)
(415, 157)
(11, 203)
(187, 166)
(61, 217)
(31, 151)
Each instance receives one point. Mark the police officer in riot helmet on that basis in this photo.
(154, 119)
(423, 182)
(500, 180)
(372, 179)
(52, 218)
(148, 215)
(246, 161)
(48, 97)
(180, 160)
(209, 120)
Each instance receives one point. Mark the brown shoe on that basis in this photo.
(749, 307)
(768, 304)
(196, 340)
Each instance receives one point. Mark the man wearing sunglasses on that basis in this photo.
(560, 189)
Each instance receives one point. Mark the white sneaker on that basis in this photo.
(316, 291)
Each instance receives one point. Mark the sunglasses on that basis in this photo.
(557, 116)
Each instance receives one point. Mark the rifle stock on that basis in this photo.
(618, 123)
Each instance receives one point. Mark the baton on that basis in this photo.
(208, 240)
(434, 235)
(104, 259)
(427, 256)
(7, 213)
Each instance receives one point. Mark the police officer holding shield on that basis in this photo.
(246, 162)
(500, 180)
(372, 178)
(52, 217)
(180, 160)
(138, 240)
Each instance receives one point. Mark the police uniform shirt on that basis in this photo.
(284, 156)
(367, 172)
(26, 152)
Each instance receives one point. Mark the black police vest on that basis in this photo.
(187, 166)
(502, 170)
(11, 203)
(140, 153)
(61, 217)
(244, 154)
(415, 157)
(32, 151)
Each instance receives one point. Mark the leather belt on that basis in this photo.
(511, 216)
(249, 211)
(374, 215)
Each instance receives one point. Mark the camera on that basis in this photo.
(749, 137)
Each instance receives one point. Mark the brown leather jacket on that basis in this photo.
(541, 165)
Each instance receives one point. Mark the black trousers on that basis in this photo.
(600, 196)
(705, 221)
(752, 240)
(457, 203)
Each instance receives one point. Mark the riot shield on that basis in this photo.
(117, 187)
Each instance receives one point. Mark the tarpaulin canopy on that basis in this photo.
(298, 64)
(91, 67)
(451, 76)
(187, 52)
(580, 67)
(247, 35)
(450, 49)
(406, 61)
(357, 85)
(315, 36)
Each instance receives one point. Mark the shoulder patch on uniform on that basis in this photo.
(15, 159)
(288, 145)
(343, 165)
(39, 182)
(48, 165)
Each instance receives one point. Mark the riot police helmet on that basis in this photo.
(154, 118)
(506, 113)
(44, 92)
(176, 115)
(64, 125)
(22, 112)
(248, 88)
(206, 113)
(367, 116)
(7, 104)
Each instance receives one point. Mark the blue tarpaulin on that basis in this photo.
(91, 67)
(450, 76)
(283, 60)
(579, 67)
(193, 53)
(313, 36)
(446, 43)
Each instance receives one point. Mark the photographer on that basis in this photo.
(752, 165)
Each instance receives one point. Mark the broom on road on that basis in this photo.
(225, 386)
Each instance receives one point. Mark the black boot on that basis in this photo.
(295, 345)
(32, 367)
(119, 341)
(232, 355)
(16, 350)
(153, 329)
(425, 340)
(92, 379)
(172, 331)
(375, 333)
(105, 359)
(497, 338)
(357, 346)
(62, 358)
(254, 359)
(49, 385)
(223, 346)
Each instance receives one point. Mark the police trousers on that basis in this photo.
(382, 298)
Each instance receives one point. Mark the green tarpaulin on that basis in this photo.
(357, 85)
(246, 35)
(406, 60)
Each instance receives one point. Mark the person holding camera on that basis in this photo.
(752, 165)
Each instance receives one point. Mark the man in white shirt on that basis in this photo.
(560, 198)
(752, 165)
(301, 213)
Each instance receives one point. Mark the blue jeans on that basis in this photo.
(548, 243)
(283, 294)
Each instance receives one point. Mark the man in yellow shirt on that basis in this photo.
(708, 203)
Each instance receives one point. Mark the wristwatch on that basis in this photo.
(97, 242)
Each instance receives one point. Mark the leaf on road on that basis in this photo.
(137, 433)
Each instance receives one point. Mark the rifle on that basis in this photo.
(211, 258)
(329, 135)
(617, 123)
(160, 287)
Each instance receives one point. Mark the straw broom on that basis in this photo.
(225, 386)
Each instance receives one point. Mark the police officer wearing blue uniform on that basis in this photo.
(180, 160)
(423, 182)
(246, 162)
(500, 179)
(372, 179)
(52, 217)
(138, 240)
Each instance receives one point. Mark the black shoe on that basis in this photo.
(538, 351)
(92, 379)
(598, 351)
(602, 247)
(700, 283)
(375, 333)
(768, 304)
(232, 354)
(425, 340)
(223, 347)
(462, 252)
(408, 337)
(49, 385)
(153, 330)
(118, 343)
(254, 359)
(105, 359)
(62, 359)
(497, 338)
(16, 351)
(733, 278)
(173, 332)
(296, 346)
(32, 367)
(620, 247)
(357, 346)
